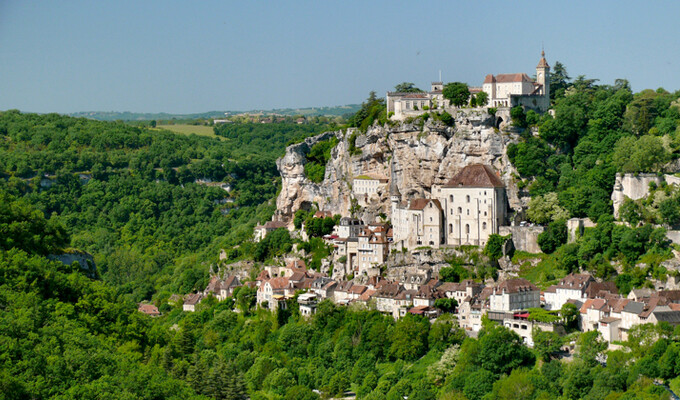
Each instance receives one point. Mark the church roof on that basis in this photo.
(507, 78)
(417, 96)
(476, 175)
(419, 204)
(543, 63)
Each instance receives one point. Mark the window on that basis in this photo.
(484, 225)
(467, 198)
(468, 211)
(430, 219)
(450, 228)
(467, 229)
(485, 213)
(460, 210)
(451, 198)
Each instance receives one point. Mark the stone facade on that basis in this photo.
(509, 90)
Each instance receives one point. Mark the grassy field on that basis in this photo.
(185, 129)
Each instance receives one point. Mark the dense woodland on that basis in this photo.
(127, 195)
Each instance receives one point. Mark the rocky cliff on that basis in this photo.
(414, 155)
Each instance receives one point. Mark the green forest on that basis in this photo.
(132, 197)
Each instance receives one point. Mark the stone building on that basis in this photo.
(514, 294)
(509, 90)
(366, 185)
(372, 248)
(474, 204)
(405, 105)
(503, 90)
(416, 222)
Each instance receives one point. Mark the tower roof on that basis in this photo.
(543, 63)
(476, 175)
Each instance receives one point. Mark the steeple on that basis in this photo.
(543, 63)
(543, 75)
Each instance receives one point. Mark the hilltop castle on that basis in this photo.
(503, 90)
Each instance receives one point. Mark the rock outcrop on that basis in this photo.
(415, 156)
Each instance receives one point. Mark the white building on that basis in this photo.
(366, 185)
(571, 287)
(372, 248)
(514, 294)
(509, 90)
(405, 105)
(416, 222)
(474, 205)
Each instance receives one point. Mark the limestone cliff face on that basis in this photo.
(415, 157)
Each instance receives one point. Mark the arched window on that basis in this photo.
(467, 229)
(484, 225)
(451, 198)
(467, 198)
(450, 228)
(460, 210)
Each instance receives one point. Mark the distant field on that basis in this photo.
(184, 129)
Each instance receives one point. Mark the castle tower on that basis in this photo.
(543, 75)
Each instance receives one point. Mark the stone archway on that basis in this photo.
(498, 123)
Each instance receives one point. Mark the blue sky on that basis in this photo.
(195, 56)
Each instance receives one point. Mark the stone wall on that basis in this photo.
(576, 226)
(524, 238)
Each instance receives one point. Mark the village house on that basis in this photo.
(191, 301)
(372, 248)
(461, 290)
(413, 281)
(572, 286)
(148, 309)
(308, 303)
(269, 289)
(221, 289)
(261, 231)
(473, 308)
(514, 294)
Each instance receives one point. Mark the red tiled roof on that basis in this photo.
(509, 78)
(419, 204)
(278, 283)
(366, 296)
(148, 309)
(264, 275)
(358, 289)
(476, 175)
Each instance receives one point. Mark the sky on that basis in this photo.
(197, 56)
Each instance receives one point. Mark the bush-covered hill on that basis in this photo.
(128, 195)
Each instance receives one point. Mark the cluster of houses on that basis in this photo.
(509, 302)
